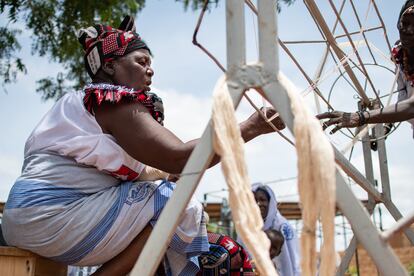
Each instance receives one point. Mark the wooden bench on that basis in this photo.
(18, 262)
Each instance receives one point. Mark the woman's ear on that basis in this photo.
(109, 68)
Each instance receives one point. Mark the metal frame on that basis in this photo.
(386, 191)
(365, 183)
(262, 76)
(369, 173)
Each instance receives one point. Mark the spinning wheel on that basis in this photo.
(262, 75)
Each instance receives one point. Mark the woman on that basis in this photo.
(78, 200)
(288, 262)
(403, 54)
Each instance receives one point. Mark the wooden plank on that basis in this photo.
(18, 262)
(289, 209)
(17, 266)
(16, 252)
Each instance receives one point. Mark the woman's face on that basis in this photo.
(134, 70)
(261, 199)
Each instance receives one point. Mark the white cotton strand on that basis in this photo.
(316, 166)
(316, 181)
(228, 143)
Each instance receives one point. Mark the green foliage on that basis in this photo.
(287, 2)
(411, 269)
(10, 65)
(53, 24)
(198, 4)
(351, 271)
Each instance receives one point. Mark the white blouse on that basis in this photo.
(68, 129)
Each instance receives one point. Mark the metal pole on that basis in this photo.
(385, 180)
(344, 230)
(354, 173)
(201, 156)
(369, 172)
(366, 232)
(396, 214)
(382, 157)
(349, 252)
(268, 49)
(330, 38)
(399, 226)
(364, 71)
(163, 231)
(268, 85)
(236, 35)
(346, 259)
(362, 32)
(351, 207)
(357, 261)
(369, 169)
(322, 63)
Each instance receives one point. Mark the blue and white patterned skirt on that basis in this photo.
(78, 215)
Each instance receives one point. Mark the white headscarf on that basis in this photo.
(288, 262)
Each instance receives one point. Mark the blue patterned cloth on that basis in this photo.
(78, 215)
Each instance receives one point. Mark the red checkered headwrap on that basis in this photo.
(103, 43)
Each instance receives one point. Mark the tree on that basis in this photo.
(53, 23)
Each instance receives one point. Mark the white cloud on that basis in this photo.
(185, 114)
(9, 170)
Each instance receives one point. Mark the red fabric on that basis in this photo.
(398, 55)
(239, 259)
(103, 43)
(125, 173)
(98, 93)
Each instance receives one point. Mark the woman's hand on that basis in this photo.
(340, 120)
(261, 126)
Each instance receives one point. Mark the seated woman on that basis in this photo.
(403, 110)
(81, 198)
(288, 261)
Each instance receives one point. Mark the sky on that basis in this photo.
(185, 78)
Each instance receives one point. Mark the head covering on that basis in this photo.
(403, 50)
(103, 43)
(405, 25)
(265, 192)
(288, 262)
(273, 219)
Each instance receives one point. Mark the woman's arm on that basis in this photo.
(401, 111)
(398, 112)
(147, 141)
